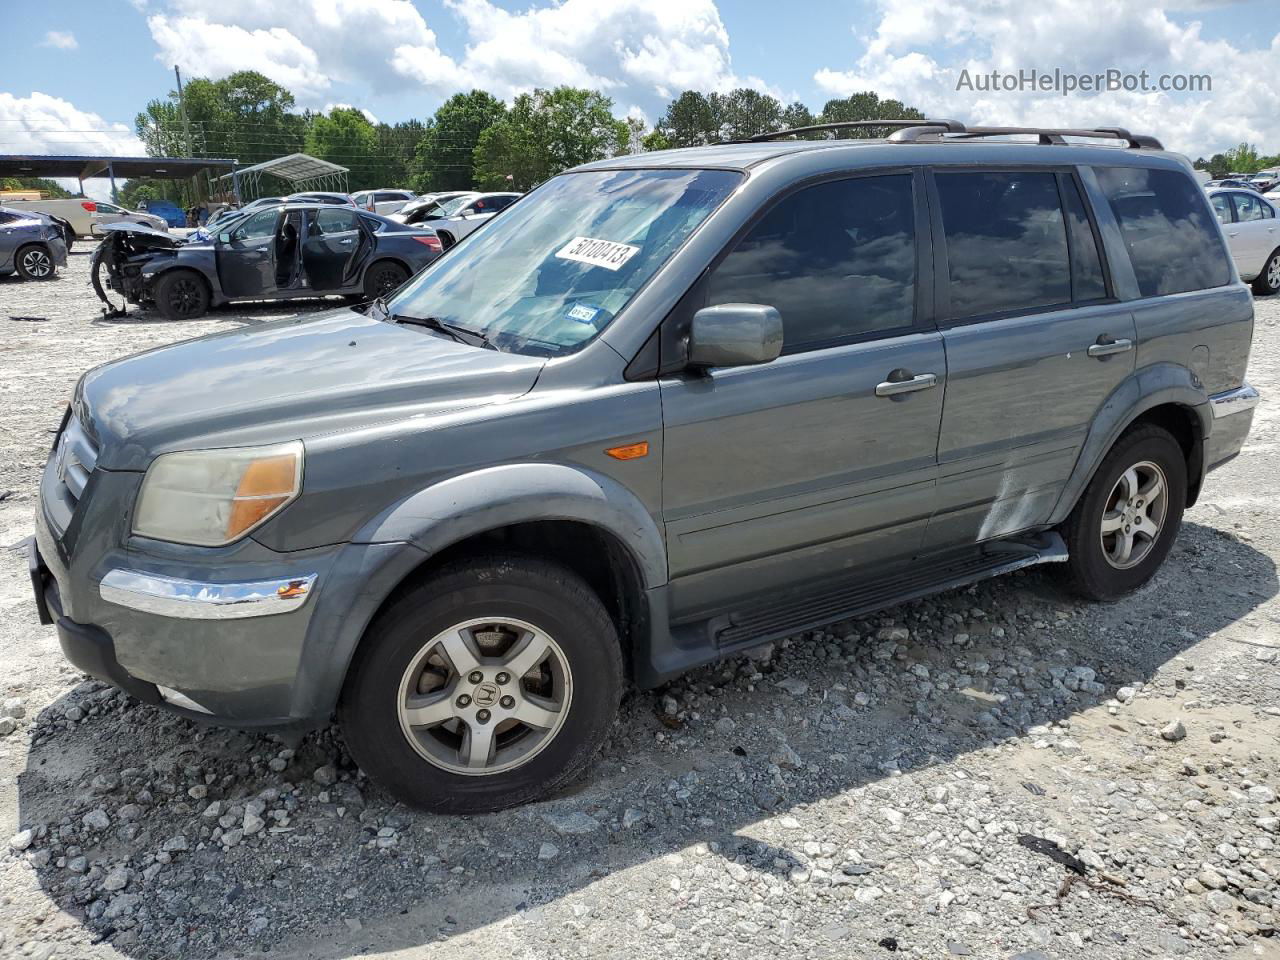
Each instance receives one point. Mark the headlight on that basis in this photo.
(213, 497)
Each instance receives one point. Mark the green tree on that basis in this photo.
(865, 106)
(445, 153)
(744, 113)
(48, 187)
(1242, 158)
(346, 137)
(689, 121)
(656, 140)
(546, 132)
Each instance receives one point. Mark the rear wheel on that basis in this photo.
(34, 262)
(1125, 524)
(489, 685)
(383, 278)
(181, 295)
(446, 239)
(1268, 281)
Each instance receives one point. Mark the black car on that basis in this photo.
(280, 252)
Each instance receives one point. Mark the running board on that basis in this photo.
(783, 616)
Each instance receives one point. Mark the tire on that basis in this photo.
(486, 610)
(382, 278)
(34, 262)
(1097, 566)
(181, 295)
(446, 239)
(1268, 281)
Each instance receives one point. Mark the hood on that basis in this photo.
(286, 380)
(155, 238)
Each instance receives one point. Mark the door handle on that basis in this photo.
(1106, 346)
(892, 388)
(1233, 233)
(347, 241)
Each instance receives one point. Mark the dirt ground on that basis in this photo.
(925, 782)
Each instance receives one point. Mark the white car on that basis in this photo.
(385, 202)
(1253, 235)
(86, 216)
(463, 215)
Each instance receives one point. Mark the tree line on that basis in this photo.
(474, 139)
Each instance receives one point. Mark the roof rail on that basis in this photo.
(1047, 135)
(911, 131)
(949, 125)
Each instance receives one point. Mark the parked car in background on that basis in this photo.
(429, 206)
(85, 216)
(664, 409)
(279, 252)
(320, 196)
(385, 202)
(463, 215)
(31, 245)
(167, 210)
(1230, 182)
(1253, 236)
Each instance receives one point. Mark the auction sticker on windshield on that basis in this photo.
(598, 253)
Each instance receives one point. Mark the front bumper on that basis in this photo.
(199, 600)
(1232, 417)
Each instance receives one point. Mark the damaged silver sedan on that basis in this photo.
(282, 252)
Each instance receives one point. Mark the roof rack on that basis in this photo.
(912, 131)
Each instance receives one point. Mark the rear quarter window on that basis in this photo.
(1168, 229)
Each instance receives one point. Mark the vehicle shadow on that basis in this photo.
(345, 852)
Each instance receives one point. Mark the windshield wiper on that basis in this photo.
(473, 338)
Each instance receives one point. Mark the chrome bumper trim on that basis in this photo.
(1238, 400)
(195, 600)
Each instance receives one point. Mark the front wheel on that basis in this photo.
(491, 684)
(1125, 523)
(181, 295)
(1268, 281)
(34, 262)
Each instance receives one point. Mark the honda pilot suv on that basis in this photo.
(663, 409)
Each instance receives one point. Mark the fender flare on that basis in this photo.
(1153, 386)
(396, 542)
(482, 500)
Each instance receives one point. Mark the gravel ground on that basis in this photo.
(995, 772)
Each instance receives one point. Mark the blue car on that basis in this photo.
(167, 210)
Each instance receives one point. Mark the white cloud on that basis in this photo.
(60, 40)
(368, 114)
(904, 58)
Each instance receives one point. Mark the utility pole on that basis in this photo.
(182, 111)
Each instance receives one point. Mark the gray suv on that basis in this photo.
(665, 408)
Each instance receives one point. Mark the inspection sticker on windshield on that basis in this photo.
(598, 253)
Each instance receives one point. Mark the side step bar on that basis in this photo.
(772, 618)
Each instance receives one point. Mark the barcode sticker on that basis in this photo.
(599, 253)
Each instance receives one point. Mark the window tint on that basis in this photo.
(335, 221)
(261, 224)
(1087, 279)
(1221, 207)
(498, 203)
(837, 260)
(1167, 228)
(1006, 241)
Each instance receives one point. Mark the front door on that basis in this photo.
(1035, 344)
(823, 460)
(1254, 233)
(246, 256)
(334, 239)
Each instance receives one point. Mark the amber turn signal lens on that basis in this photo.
(266, 485)
(632, 451)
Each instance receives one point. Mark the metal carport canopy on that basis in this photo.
(296, 167)
(84, 167)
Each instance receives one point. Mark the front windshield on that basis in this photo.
(449, 207)
(557, 267)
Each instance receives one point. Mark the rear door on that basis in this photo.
(329, 253)
(1253, 233)
(1035, 343)
(246, 257)
(823, 460)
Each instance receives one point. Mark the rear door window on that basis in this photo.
(837, 260)
(1088, 282)
(1249, 207)
(335, 221)
(1168, 230)
(1221, 207)
(1006, 241)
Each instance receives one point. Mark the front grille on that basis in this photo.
(75, 458)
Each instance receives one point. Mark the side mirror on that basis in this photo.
(735, 335)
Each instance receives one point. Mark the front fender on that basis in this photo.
(472, 503)
(1145, 389)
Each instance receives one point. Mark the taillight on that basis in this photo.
(432, 241)
(89, 205)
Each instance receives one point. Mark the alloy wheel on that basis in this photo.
(1273, 272)
(184, 296)
(37, 263)
(1134, 515)
(485, 696)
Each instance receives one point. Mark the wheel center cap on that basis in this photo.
(485, 695)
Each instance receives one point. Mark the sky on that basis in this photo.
(76, 72)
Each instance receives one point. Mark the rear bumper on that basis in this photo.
(1232, 417)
